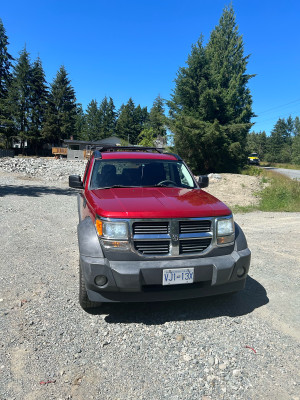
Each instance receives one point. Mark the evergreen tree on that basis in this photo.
(157, 118)
(141, 119)
(279, 143)
(296, 126)
(211, 105)
(93, 121)
(19, 97)
(5, 63)
(80, 124)
(296, 150)
(257, 143)
(61, 109)
(108, 117)
(38, 103)
(126, 123)
(146, 137)
(6, 120)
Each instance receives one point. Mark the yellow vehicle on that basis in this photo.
(253, 159)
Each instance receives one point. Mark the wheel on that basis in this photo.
(84, 301)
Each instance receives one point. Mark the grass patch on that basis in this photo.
(281, 193)
(252, 170)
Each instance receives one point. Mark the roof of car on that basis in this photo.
(137, 155)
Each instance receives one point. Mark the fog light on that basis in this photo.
(100, 280)
(240, 272)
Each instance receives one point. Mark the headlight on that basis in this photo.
(112, 230)
(225, 230)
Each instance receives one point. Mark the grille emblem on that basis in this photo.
(175, 238)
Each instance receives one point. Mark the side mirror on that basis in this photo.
(75, 182)
(203, 181)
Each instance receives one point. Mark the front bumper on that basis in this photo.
(135, 281)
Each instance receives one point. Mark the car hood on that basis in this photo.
(155, 203)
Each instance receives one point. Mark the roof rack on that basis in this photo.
(102, 149)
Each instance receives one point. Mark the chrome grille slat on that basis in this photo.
(152, 247)
(194, 226)
(144, 228)
(190, 246)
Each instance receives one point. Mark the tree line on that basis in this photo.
(282, 146)
(35, 112)
(210, 107)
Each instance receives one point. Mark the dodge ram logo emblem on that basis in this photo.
(175, 238)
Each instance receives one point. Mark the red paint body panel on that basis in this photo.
(154, 203)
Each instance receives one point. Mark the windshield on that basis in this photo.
(140, 173)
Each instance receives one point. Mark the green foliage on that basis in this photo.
(131, 121)
(38, 104)
(257, 143)
(146, 137)
(157, 118)
(108, 118)
(5, 63)
(282, 146)
(19, 96)
(282, 194)
(211, 105)
(61, 109)
(93, 121)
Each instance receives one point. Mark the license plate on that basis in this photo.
(178, 276)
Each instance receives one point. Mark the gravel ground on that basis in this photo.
(244, 346)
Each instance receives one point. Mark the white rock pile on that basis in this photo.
(50, 169)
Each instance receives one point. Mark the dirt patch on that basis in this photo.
(235, 189)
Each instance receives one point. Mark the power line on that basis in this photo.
(278, 107)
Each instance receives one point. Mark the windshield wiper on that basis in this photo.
(115, 186)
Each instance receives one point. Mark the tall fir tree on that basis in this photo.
(211, 105)
(5, 62)
(38, 100)
(157, 118)
(6, 120)
(126, 124)
(108, 117)
(61, 109)
(80, 124)
(19, 97)
(93, 121)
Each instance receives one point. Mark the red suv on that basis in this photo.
(148, 232)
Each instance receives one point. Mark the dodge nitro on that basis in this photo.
(149, 232)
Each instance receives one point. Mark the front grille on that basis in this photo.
(150, 228)
(152, 247)
(194, 245)
(194, 226)
(171, 237)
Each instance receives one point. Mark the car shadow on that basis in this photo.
(156, 313)
(34, 191)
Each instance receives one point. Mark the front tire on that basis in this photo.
(84, 300)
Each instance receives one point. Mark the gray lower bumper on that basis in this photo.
(142, 280)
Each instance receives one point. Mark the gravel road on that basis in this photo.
(291, 173)
(244, 346)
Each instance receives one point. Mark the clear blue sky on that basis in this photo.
(134, 48)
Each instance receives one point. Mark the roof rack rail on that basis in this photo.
(128, 148)
(102, 149)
